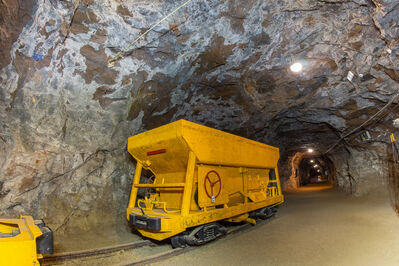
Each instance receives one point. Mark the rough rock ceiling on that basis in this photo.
(65, 115)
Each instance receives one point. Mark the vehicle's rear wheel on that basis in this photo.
(178, 242)
(199, 235)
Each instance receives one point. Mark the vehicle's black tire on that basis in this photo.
(269, 212)
(178, 242)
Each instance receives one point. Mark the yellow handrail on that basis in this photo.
(167, 185)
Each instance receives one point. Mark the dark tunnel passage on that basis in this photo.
(315, 169)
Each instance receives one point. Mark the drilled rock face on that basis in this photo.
(362, 171)
(65, 116)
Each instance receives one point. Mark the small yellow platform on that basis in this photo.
(18, 241)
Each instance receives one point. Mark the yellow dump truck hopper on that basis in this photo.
(24, 240)
(201, 175)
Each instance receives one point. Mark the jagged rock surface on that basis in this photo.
(65, 116)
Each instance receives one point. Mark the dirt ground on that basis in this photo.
(316, 226)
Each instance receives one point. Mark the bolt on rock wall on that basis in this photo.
(65, 116)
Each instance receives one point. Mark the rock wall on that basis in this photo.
(363, 171)
(65, 116)
(292, 182)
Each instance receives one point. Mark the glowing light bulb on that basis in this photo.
(310, 150)
(296, 67)
(312, 161)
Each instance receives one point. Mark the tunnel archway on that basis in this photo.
(315, 169)
(309, 168)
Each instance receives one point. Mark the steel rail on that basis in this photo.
(177, 251)
(48, 259)
(60, 257)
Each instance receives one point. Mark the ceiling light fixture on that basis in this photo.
(310, 150)
(296, 67)
(312, 161)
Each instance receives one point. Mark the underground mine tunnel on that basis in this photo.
(315, 79)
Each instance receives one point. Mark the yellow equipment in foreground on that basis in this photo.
(23, 241)
(200, 175)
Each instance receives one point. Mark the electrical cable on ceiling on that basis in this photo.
(118, 56)
(368, 120)
(362, 125)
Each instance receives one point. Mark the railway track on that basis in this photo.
(176, 251)
(108, 251)
(60, 257)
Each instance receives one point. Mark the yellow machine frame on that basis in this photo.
(188, 161)
(19, 249)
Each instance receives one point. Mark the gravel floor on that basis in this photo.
(317, 226)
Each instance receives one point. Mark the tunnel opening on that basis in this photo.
(315, 169)
(310, 169)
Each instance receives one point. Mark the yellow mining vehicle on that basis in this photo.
(200, 176)
(23, 241)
